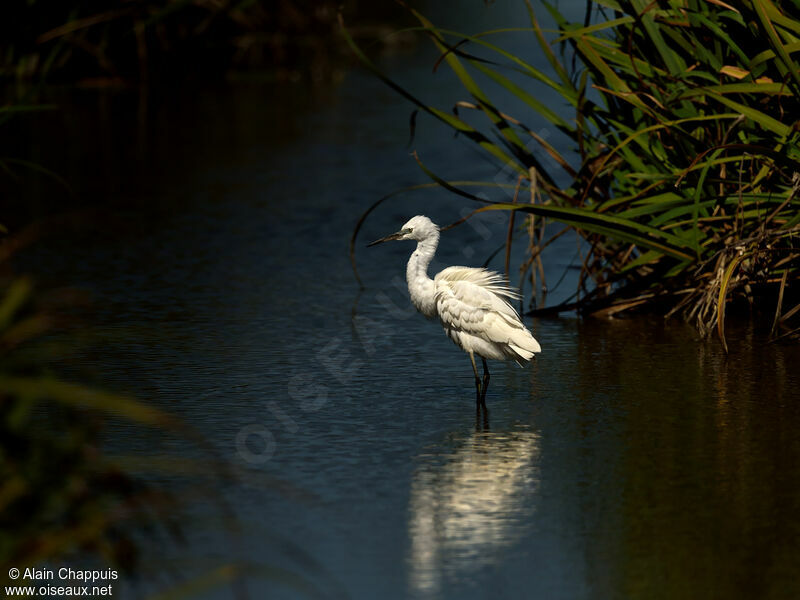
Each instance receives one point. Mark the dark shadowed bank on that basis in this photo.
(96, 42)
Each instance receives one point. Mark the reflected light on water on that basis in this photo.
(466, 507)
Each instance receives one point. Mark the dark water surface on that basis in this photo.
(631, 460)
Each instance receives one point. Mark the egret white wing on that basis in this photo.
(473, 307)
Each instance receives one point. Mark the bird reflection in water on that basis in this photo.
(466, 507)
(481, 418)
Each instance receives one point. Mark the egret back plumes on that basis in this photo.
(474, 309)
(472, 304)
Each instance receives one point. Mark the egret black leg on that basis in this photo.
(477, 378)
(485, 381)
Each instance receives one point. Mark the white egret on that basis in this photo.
(472, 304)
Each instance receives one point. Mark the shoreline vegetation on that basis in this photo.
(684, 181)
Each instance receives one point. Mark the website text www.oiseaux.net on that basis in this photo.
(60, 582)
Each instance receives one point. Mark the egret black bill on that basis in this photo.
(395, 236)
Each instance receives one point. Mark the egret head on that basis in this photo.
(416, 228)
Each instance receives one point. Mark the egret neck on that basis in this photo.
(420, 285)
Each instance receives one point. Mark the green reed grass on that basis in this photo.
(683, 182)
(58, 492)
(64, 497)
